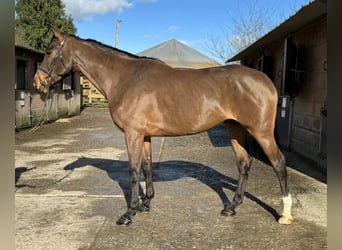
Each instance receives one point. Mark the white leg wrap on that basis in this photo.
(287, 203)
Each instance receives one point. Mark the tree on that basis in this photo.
(34, 19)
(246, 27)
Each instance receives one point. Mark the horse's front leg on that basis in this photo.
(146, 165)
(134, 143)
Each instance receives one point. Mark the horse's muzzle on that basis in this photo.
(40, 83)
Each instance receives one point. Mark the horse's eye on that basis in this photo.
(48, 52)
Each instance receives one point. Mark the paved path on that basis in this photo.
(72, 180)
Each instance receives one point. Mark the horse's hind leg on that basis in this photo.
(238, 140)
(147, 170)
(277, 159)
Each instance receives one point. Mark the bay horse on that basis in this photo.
(148, 98)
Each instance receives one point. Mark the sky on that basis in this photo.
(147, 23)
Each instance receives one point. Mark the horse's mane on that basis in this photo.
(111, 49)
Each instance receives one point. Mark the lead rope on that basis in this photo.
(45, 84)
(43, 185)
(38, 125)
(33, 130)
(44, 112)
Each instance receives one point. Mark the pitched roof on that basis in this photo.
(177, 54)
(306, 15)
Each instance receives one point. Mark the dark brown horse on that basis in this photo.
(148, 98)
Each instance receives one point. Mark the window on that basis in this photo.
(293, 70)
(265, 64)
(21, 74)
(68, 82)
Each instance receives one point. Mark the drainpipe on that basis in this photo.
(283, 77)
(288, 98)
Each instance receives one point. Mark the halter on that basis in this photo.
(46, 84)
(52, 66)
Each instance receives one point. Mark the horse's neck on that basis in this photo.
(97, 65)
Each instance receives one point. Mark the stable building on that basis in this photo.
(294, 56)
(30, 106)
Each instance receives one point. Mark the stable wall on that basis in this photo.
(308, 122)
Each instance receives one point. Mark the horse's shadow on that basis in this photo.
(169, 171)
(219, 137)
(18, 172)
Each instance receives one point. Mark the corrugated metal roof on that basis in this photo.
(306, 15)
(177, 54)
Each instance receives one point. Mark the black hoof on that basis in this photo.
(125, 220)
(143, 208)
(228, 212)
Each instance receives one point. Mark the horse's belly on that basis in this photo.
(182, 126)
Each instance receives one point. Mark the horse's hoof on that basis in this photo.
(124, 220)
(143, 208)
(285, 220)
(228, 212)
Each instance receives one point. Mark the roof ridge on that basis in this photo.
(178, 53)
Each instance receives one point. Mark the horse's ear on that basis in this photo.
(57, 33)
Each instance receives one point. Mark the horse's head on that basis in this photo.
(56, 64)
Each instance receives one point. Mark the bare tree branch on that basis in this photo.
(246, 27)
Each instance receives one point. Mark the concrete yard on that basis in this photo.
(72, 183)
